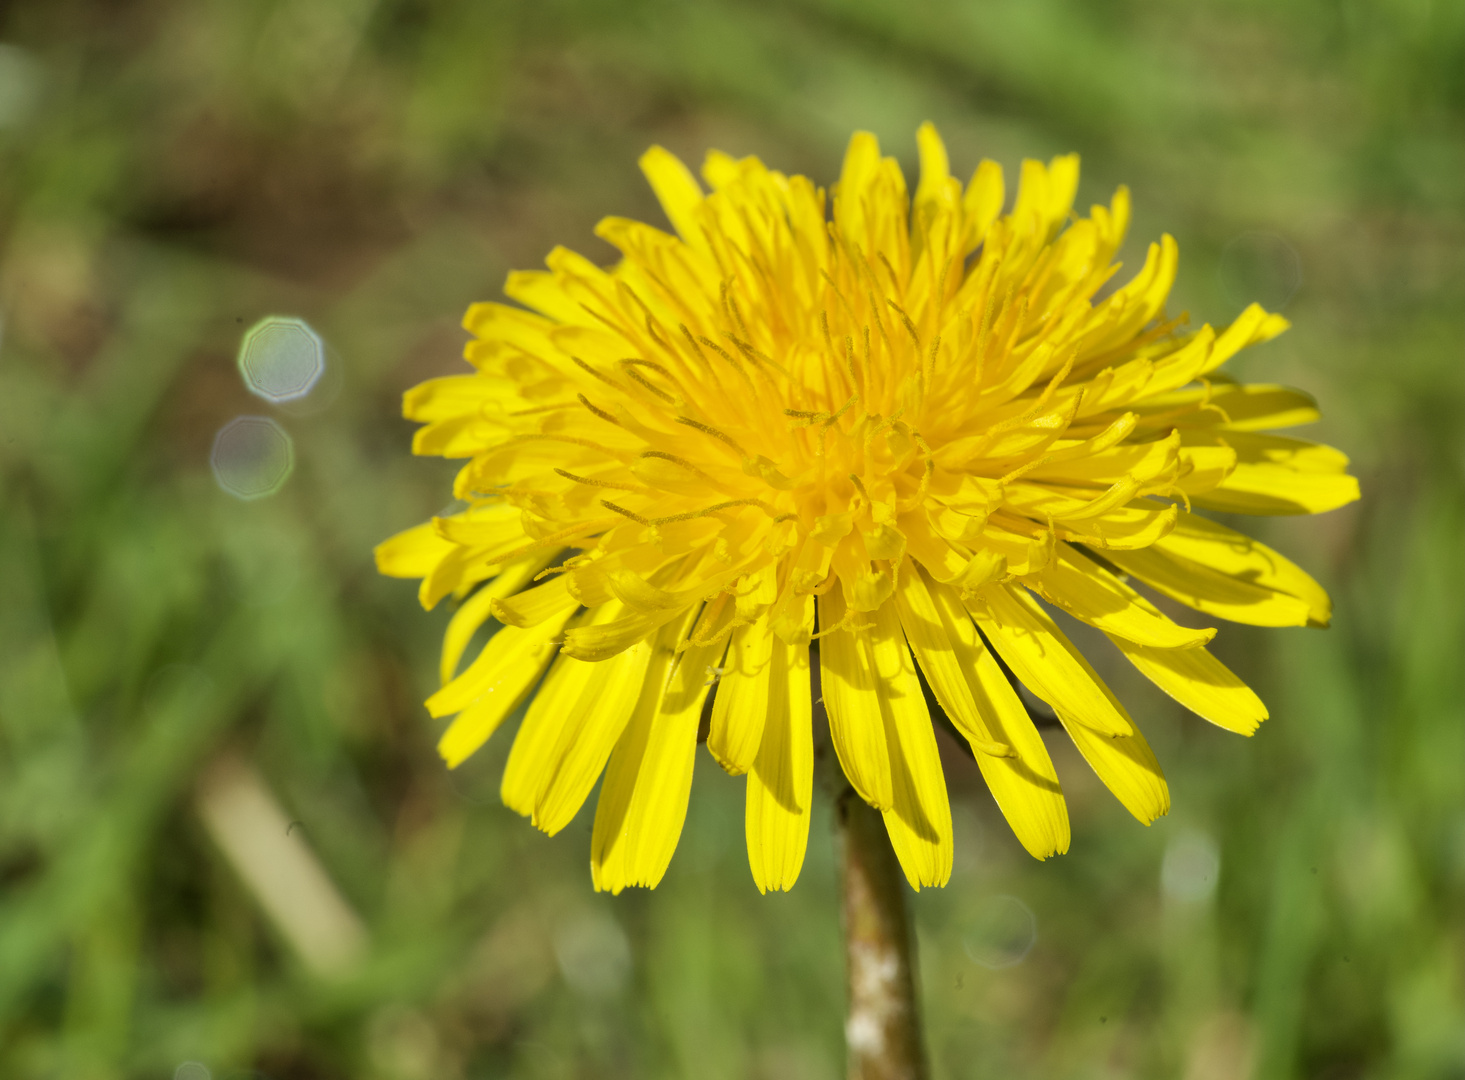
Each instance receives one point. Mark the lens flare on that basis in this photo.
(252, 458)
(281, 358)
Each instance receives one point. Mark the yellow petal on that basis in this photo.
(483, 526)
(930, 640)
(720, 169)
(1181, 366)
(1135, 526)
(1127, 766)
(1247, 407)
(412, 553)
(861, 160)
(983, 199)
(494, 685)
(456, 437)
(530, 758)
(640, 595)
(454, 396)
(919, 818)
(533, 606)
(471, 615)
(944, 560)
(544, 293)
(590, 732)
(975, 694)
(1259, 407)
(1211, 590)
(1226, 573)
(1278, 475)
(1137, 303)
(643, 799)
(1118, 217)
(1270, 489)
(757, 592)
(570, 729)
(781, 781)
(475, 611)
(1200, 682)
(599, 642)
(510, 325)
(1252, 327)
(608, 842)
(1088, 592)
(1146, 461)
(848, 679)
(1299, 455)
(1204, 467)
(1044, 659)
(1045, 194)
(459, 568)
(1025, 787)
(856, 209)
(935, 166)
(1062, 187)
(678, 192)
(742, 699)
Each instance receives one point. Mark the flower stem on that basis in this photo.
(883, 1029)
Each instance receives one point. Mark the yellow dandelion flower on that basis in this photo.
(893, 428)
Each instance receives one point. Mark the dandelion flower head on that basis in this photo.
(886, 431)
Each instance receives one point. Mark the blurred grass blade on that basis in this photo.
(273, 860)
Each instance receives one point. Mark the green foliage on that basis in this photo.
(176, 169)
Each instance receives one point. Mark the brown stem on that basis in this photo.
(883, 1030)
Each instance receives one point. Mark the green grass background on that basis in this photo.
(172, 170)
